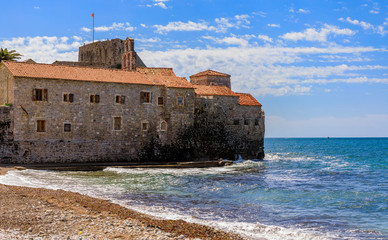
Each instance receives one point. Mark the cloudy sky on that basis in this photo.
(319, 67)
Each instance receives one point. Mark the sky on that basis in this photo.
(319, 68)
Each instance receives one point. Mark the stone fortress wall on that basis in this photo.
(203, 127)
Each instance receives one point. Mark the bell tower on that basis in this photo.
(129, 56)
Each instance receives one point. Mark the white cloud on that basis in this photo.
(228, 40)
(37, 8)
(85, 29)
(264, 38)
(45, 49)
(148, 40)
(312, 34)
(221, 25)
(115, 27)
(267, 70)
(158, 3)
(182, 26)
(368, 26)
(260, 13)
(273, 25)
(374, 11)
(77, 38)
(305, 11)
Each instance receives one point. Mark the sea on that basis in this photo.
(305, 188)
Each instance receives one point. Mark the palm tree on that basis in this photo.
(9, 55)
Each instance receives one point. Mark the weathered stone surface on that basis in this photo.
(103, 54)
(202, 127)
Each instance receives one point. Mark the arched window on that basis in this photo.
(163, 126)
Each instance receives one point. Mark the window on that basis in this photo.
(160, 101)
(67, 127)
(68, 97)
(41, 126)
(39, 94)
(145, 97)
(179, 101)
(117, 123)
(144, 126)
(256, 122)
(236, 122)
(163, 126)
(94, 98)
(120, 99)
(246, 122)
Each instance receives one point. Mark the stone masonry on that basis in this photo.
(63, 114)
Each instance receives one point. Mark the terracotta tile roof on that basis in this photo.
(156, 71)
(247, 99)
(170, 81)
(213, 90)
(210, 73)
(48, 71)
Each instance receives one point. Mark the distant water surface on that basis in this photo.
(306, 188)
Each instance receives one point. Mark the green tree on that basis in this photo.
(9, 55)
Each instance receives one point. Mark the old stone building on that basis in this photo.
(69, 112)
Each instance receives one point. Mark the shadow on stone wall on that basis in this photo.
(207, 139)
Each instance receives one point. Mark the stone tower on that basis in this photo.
(128, 61)
(211, 78)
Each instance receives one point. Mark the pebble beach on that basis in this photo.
(37, 213)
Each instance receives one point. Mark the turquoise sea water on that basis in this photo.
(305, 188)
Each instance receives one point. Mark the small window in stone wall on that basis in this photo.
(39, 94)
(94, 98)
(160, 101)
(246, 122)
(68, 97)
(180, 101)
(117, 123)
(145, 97)
(236, 122)
(144, 126)
(163, 126)
(256, 122)
(41, 126)
(120, 99)
(67, 127)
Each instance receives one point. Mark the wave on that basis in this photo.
(87, 186)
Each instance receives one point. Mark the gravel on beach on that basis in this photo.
(37, 213)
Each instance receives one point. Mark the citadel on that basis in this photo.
(110, 107)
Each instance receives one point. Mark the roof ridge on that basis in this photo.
(69, 66)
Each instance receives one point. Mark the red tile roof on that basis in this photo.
(156, 71)
(48, 71)
(210, 73)
(247, 99)
(205, 90)
(170, 81)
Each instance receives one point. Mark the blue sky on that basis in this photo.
(320, 68)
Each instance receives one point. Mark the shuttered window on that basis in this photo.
(68, 97)
(145, 97)
(39, 94)
(41, 126)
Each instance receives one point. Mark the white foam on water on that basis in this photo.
(54, 180)
(247, 230)
(239, 165)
